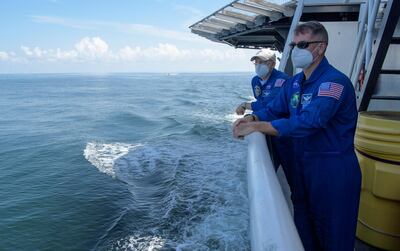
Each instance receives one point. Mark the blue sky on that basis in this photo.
(111, 36)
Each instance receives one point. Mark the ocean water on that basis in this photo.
(122, 162)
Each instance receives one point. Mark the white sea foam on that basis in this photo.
(251, 98)
(138, 242)
(197, 200)
(218, 119)
(225, 226)
(103, 156)
(232, 117)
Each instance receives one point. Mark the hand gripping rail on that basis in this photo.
(271, 224)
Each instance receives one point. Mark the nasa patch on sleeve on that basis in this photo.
(257, 90)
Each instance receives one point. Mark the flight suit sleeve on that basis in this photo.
(277, 108)
(316, 114)
(257, 105)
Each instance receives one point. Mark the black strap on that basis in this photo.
(378, 159)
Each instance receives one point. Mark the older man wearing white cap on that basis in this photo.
(267, 82)
(266, 85)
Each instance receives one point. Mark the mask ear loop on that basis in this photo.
(312, 52)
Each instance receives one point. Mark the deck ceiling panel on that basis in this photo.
(240, 22)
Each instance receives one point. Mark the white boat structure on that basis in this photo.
(364, 43)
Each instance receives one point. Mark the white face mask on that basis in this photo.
(301, 58)
(262, 70)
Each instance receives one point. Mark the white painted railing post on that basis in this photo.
(295, 21)
(271, 224)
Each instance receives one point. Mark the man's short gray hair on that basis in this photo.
(313, 27)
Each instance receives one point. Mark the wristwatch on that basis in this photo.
(252, 117)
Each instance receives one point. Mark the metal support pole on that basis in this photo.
(361, 32)
(354, 76)
(371, 25)
(295, 21)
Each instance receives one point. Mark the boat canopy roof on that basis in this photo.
(265, 24)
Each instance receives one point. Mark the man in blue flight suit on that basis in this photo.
(317, 109)
(266, 85)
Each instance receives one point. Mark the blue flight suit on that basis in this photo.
(264, 94)
(320, 116)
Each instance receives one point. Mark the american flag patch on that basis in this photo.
(279, 82)
(330, 89)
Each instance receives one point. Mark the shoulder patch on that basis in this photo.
(279, 82)
(257, 90)
(306, 99)
(330, 89)
(294, 100)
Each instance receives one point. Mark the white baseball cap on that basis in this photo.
(265, 55)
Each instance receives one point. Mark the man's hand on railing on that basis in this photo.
(242, 128)
(241, 109)
(249, 124)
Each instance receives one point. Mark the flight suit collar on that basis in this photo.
(315, 75)
(272, 76)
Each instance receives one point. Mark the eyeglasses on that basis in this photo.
(303, 44)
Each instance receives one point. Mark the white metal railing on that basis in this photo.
(360, 34)
(365, 32)
(372, 12)
(271, 223)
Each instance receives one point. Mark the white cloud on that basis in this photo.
(4, 55)
(92, 48)
(87, 49)
(192, 14)
(130, 54)
(129, 28)
(166, 52)
(95, 54)
(189, 10)
(154, 31)
(62, 22)
(34, 52)
(95, 49)
(65, 55)
(171, 53)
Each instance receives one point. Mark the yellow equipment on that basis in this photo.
(378, 150)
